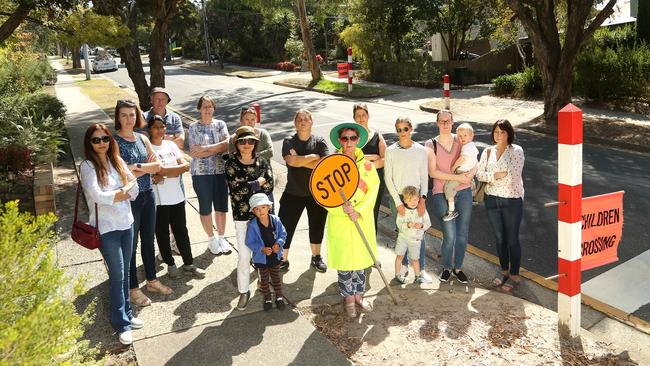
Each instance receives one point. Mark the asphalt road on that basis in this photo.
(604, 169)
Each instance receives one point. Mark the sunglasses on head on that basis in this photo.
(97, 140)
(405, 129)
(246, 141)
(352, 138)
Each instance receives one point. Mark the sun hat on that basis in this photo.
(161, 90)
(334, 134)
(245, 132)
(259, 199)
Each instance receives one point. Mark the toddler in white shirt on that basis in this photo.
(465, 162)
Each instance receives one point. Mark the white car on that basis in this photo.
(104, 63)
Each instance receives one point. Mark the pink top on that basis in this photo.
(444, 161)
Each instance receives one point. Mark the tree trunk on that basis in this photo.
(556, 84)
(9, 26)
(131, 56)
(316, 75)
(164, 13)
(76, 57)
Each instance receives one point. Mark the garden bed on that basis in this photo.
(18, 187)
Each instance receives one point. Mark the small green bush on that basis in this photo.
(506, 84)
(22, 72)
(177, 52)
(294, 50)
(39, 324)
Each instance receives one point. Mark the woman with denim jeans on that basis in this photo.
(443, 150)
(501, 166)
(136, 150)
(108, 183)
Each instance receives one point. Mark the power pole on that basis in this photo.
(205, 33)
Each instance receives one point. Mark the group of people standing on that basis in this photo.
(142, 162)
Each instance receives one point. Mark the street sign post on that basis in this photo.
(332, 181)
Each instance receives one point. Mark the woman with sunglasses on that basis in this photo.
(208, 141)
(374, 150)
(346, 251)
(137, 152)
(399, 175)
(108, 183)
(247, 174)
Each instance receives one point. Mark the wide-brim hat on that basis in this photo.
(245, 132)
(161, 90)
(334, 134)
(259, 199)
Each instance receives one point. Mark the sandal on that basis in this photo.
(157, 286)
(351, 309)
(365, 306)
(139, 298)
(510, 285)
(500, 279)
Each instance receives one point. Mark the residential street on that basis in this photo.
(604, 169)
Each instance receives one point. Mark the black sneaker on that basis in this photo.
(279, 303)
(460, 276)
(284, 266)
(445, 275)
(243, 300)
(268, 305)
(318, 264)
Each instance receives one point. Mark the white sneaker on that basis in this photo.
(425, 277)
(213, 245)
(137, 323)
(404, 271)
(224, 246)
(126, 338)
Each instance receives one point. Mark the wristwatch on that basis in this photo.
(424, 197)
(138, 165)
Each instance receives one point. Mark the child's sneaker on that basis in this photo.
(401, 279)
(419, 280)
(279, 303)
(268, 305)
(404, 271)
(450, 215)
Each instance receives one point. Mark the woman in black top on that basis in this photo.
(373, 150)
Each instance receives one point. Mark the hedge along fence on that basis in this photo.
(421, 72)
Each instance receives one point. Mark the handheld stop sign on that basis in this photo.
(333, 173)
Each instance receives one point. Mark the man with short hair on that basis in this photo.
(174, 126)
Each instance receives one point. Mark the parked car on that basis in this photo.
(104, 62)
(467, 55)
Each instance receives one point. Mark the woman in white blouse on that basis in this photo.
(501, 166)
(108, 183)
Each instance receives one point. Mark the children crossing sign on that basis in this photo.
(333, 173)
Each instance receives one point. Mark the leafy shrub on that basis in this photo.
(286, 66)
(420, 72)
(525, 84)
(613, 66)
(22, 72)
(177, 52)
(15, 158)
(294, 50)
(39, 323)
(505, 84)
(39, 105)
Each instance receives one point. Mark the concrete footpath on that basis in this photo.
(199, 325)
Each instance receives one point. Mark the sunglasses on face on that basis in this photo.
(405, 129)
(445, 123)
(96, 140)
(246, 141)
(352, 138)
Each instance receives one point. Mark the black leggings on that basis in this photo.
(291, 208)
(174, 216)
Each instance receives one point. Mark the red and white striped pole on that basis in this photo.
(256, 106)
(569, 219)
(445, 91)
(349, 69)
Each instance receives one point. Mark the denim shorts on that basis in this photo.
(212, 192)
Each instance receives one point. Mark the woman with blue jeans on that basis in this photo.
(137, 152)
(501, 167)
(443, 150)
(107, 183)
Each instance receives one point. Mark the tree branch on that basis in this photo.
(14, 20)
(41, 23)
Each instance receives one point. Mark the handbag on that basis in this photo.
(478, 189)
(82, 233)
